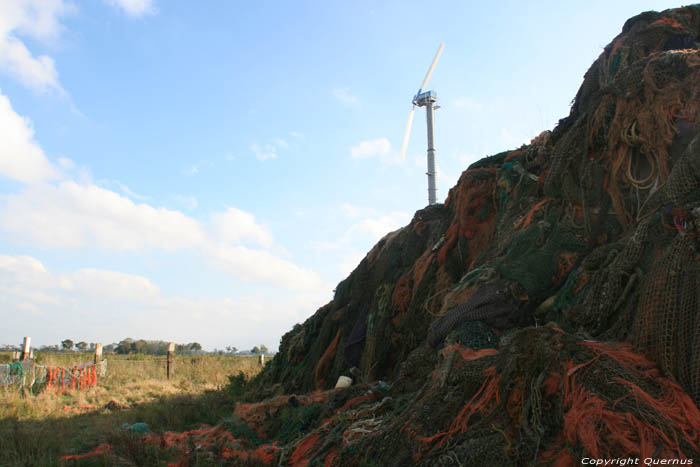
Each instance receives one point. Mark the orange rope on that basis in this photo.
(525, 221)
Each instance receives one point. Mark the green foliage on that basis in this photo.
(153, 347)
(236, 386)
(67, 344)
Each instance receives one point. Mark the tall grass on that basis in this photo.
(38, 429)
(196, 369)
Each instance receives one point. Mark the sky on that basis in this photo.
(209, 171)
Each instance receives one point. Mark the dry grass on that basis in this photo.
(38, 429)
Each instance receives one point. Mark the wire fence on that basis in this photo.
(32, 376)
(63, 371)
(200, 369)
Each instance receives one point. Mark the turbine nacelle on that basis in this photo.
(421, 99)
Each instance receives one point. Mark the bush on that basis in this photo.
(237, 385)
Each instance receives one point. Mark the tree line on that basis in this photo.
(137, 346)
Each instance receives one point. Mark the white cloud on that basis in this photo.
(350, 210)
(262, 266)
(364, 226)
(21, 158)
(366, 231)
(71, 215)
(379, 148)
(38, 19)
(272, 149)
(134, 8)
(280, 143)
(99, 305)
(66, 163)
(112, 285)
(235, 225)
(344, 96)
(264, 153)
(127, 191)
(190, 170)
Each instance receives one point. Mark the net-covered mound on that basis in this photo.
(593, 225)
(547, 312)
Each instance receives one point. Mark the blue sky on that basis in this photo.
(209, 171)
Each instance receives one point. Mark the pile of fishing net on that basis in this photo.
(546, 313)
(592, 227)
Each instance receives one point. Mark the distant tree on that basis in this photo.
(82, 346)
(195, 346)
(255, 349)
(124, 347)
(140, 346)
(67, 344)
(263, 348)
(92, 347)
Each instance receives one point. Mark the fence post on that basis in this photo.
(15, 356)
(98, 354)
(261, 359)
(25, 348)
(31, 354)
(171, 352)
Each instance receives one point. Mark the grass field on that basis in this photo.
(35, 430)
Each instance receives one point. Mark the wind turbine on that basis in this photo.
(425, 99)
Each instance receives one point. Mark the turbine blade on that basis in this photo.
(432, 67)
(407, 134)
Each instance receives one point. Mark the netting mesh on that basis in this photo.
(25, 374)
(35, 377)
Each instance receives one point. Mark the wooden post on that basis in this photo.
(98, 353)
(31, 354)
(99, 369)
(15, 356)
(25, 348)
(171, 353)
(261, 359)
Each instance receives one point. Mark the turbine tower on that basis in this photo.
(426, 99)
